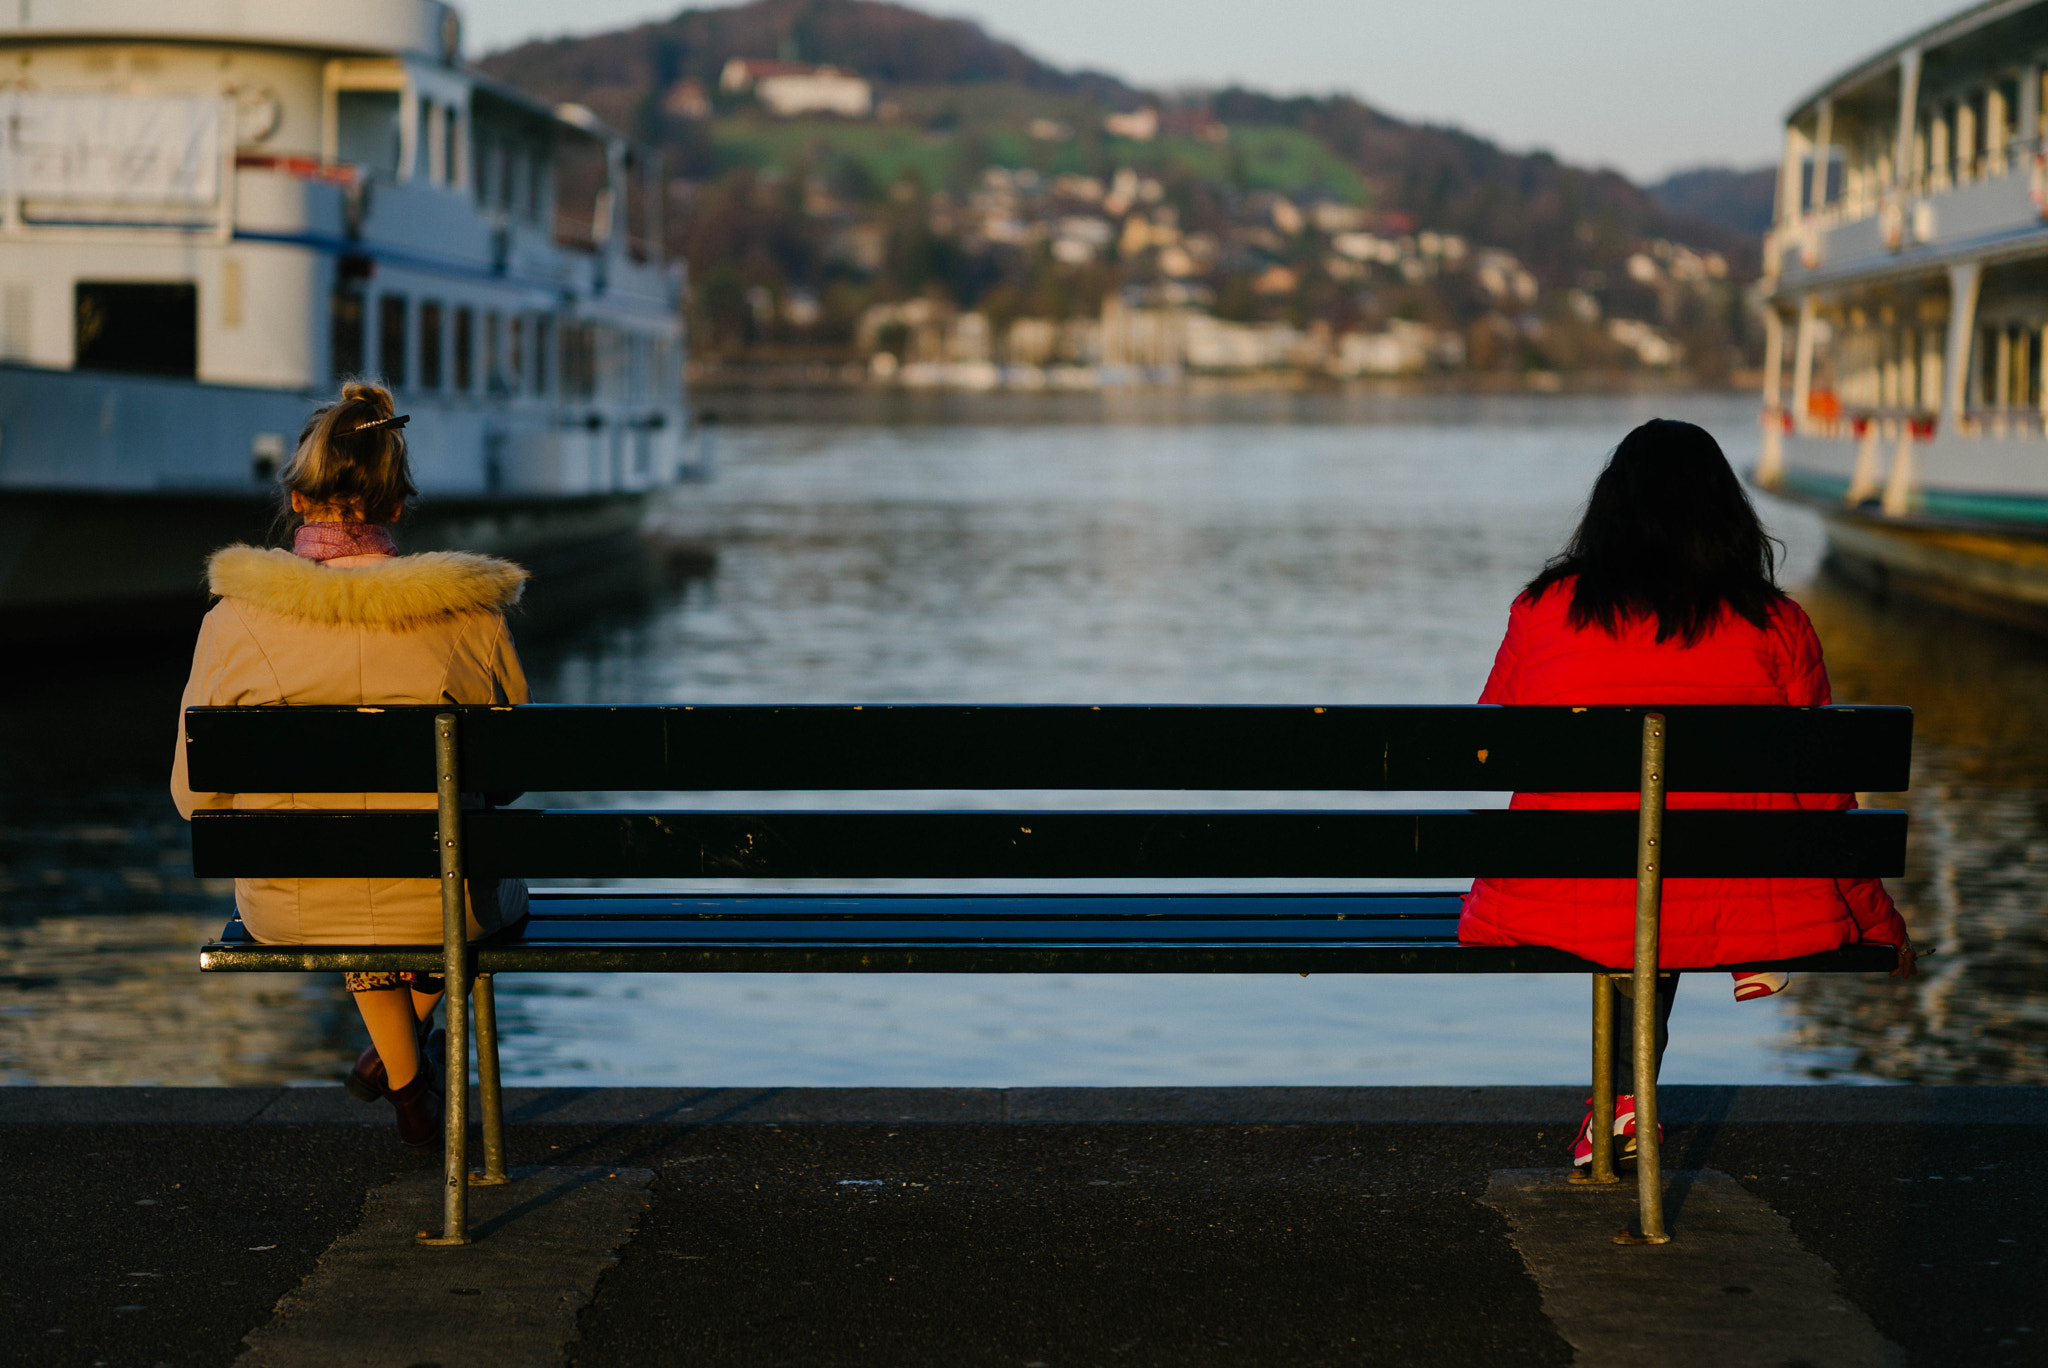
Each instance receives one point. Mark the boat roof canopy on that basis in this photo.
(565, 118)
(428, 30)
(1982, 35)
(417, 28)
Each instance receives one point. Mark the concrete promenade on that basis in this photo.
(1049, 1227)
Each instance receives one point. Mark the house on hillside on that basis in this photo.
(789, 88)
(1192, 121)
(686, 100)
(1140, 125)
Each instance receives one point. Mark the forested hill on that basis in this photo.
(984, 177)
(1529, 203)
(1546, 211)
(1741, 200)
(621, 74)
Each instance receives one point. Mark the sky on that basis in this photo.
(1645, 86)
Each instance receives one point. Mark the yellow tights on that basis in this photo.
(393, 1014)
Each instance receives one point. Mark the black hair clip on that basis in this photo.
(396, 420)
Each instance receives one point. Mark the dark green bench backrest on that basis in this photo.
(1737, 750)
(654, 749)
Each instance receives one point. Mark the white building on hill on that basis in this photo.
(790, 88)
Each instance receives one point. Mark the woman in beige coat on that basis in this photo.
(341, 618)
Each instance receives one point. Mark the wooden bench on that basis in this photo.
(949, 750)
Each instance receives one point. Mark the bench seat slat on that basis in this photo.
(656, 749)
(1042, 844)
(1059, 933)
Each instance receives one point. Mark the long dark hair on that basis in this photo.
(1667, 533)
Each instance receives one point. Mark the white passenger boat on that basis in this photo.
(212, 211)
(1907, 279)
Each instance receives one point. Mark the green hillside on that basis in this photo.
(1283, 160)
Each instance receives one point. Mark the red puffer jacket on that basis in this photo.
(1706, 922)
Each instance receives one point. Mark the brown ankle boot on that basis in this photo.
(418, 1105)
(367, 1080)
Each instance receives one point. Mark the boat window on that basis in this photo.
(493, 379)
(500, 179)
(391, 330)
(543, 339)
(451, 163)
(346, 333)
(423, 141)
(482, 149)
(465, 349)
(430, 344)
(578, 211)
(537, 187)
(517, 368)
(366, 129)
(152, 329)
(579, 361)
(519, 182)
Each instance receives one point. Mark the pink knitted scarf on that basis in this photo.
(326, 541)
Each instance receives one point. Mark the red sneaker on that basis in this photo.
(1751, 986)
(1582, 1146)
(1624, 1126)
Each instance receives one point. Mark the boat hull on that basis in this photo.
(1974, 531)
(1986, 574)
(1989, 571)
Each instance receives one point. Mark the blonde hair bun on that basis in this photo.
(376, 396)
(348, 463)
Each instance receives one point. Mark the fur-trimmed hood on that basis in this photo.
(402, 592)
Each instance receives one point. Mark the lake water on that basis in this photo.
(1246, 549)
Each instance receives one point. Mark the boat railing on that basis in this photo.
(2006, 420)
(1866, 194)
(1889, 424)
(576, 232)
(579, 233)
(1860, 422)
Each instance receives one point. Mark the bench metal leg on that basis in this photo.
(1601, 1171)
(1649, 906)
(455, 968)
(491, 1103)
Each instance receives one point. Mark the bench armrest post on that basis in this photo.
(455, 969)
(1650, 861)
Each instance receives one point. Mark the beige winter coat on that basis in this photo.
(412, 629)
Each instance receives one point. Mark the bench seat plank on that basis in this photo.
(580, 931)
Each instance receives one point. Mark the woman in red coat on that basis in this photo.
(1665, 596)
